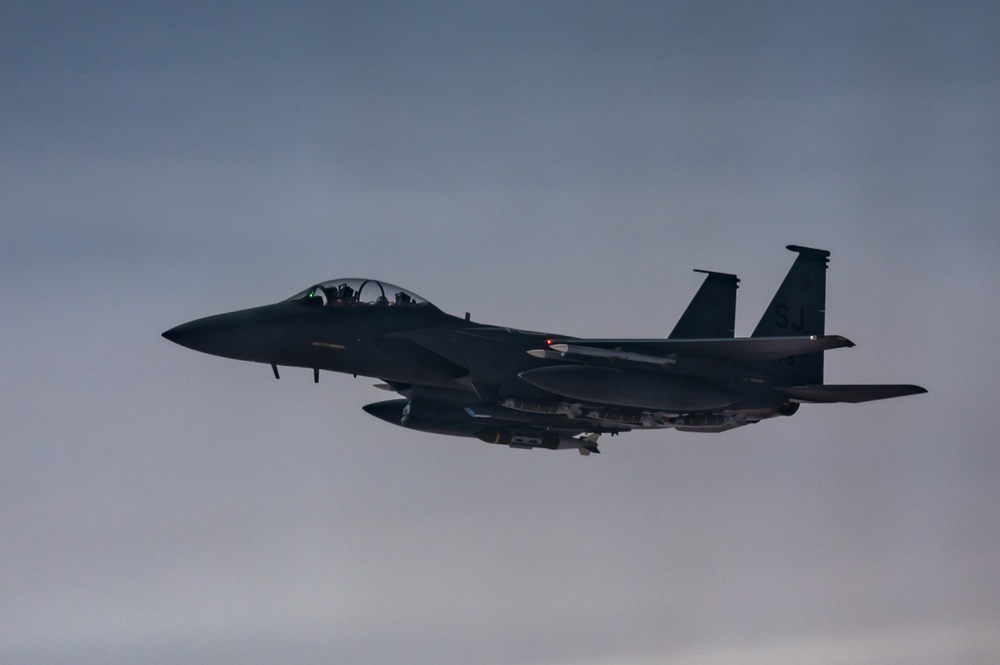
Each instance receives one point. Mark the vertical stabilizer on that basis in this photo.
(798, 309)
(712, 312)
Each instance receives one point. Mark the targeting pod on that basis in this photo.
(536, 439)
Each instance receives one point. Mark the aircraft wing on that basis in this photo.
(853, 393)
(741, 349)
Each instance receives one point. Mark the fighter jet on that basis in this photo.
(528, 389)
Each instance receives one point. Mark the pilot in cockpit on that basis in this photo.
(345, 294)
(356, 292)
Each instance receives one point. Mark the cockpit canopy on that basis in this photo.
(353, 291)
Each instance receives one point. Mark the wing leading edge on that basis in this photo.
(740, 349)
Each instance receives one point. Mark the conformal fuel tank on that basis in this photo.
(644, 390)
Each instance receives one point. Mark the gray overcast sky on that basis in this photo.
(553, 166)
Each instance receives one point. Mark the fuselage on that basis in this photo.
(443, 362)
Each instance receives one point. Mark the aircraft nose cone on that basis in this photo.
(232, 335)
(193, 335)
(256, 334)
(172, 334)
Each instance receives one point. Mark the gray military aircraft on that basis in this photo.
(529, 389)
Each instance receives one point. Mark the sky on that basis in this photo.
(557, 166)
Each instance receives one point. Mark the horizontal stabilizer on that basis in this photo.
(852, 393)
(740, 349)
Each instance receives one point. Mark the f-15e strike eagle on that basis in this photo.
(542, 390)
